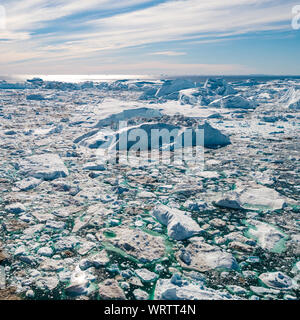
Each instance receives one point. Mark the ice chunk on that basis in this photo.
(291, 99)
(260, 197)
(141, 245)
(203, 257)
(268, 236)
(194, 96)
(109, 290)
(255, 197)
(145, 275)
(174, 86)
(219, 86)
(36, 81)
(233, 102)
(94, 166)
(179, 289)
(44, 166)
(146, 113)
(229, 200)
(213, 137)
(20, 86)
(15, 208)
(45, 251)
(79, 284)
(180, 225)
(277, 280)
(28, 183)
(141, 294)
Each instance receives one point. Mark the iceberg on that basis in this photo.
(277, 280)
(291, 99)
(233, 102)
(268, 236)
(213, 137)
(219, 87)
(252, 197)
(180, 226)
(145, 113)
(43, 166)
(194, 96)
(203, 257)
(177, 288)
(173, 87)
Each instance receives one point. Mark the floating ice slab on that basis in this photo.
(180, 225)
(268, 236)
(178, 289)
(233, 102)
(277, 280)
(174, 86)
(44, 166)
(260, 197)
(138, 244)
(202, 257)
(255, 197)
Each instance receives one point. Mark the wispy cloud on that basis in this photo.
(92, 28)
(168, 53)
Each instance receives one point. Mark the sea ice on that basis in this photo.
(44, 166)
(180, 226)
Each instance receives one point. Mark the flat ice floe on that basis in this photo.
(44, 166)
(180, 289)
(252, 197)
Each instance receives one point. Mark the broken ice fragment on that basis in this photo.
(268, 236)
(277, 280)
(44, 166)
(180, 226)
(201, 256)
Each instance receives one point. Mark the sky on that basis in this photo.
(172, 37)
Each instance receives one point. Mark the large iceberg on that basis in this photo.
(145, 136)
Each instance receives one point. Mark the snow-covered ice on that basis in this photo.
(76, 225)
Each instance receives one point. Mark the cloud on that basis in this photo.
(168, 53)
(96, 28)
